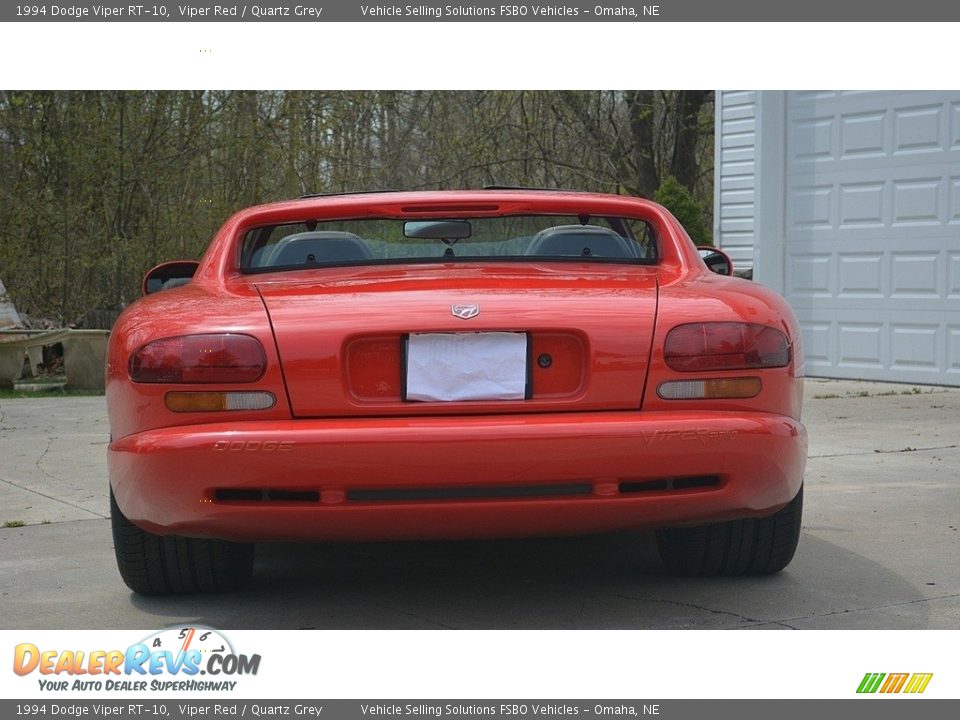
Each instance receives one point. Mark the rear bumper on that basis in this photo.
(522, 475)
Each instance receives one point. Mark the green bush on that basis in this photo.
(679, 200)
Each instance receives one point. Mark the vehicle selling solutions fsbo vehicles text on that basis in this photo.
(438, 11)
(509, 11)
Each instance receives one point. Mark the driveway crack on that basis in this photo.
(883, 452)
(42, 455)
(51, 497)
(693, 606)
(886, 606)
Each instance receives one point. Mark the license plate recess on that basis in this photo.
(466, 367)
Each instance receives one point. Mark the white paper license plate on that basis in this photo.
(458, 367)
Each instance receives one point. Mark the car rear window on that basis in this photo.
(424, 240)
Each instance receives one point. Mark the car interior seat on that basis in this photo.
(580, 241)
(317, 247)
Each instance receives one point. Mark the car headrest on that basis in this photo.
(580, 241)
(322, 246)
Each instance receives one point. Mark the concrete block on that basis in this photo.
(84, 358)
(11, 365)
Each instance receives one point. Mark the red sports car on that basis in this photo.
(464, 364)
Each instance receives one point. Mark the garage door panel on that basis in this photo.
(915, 346)
(917, 275)
(919, 347)
(802, 97)
(879, 239)
(954, 119)
(932, 164)
(817, 343)
(953, 354)
(863, 304)
(861, 204)
(863, 135)
(811, 276)
(815, 139)
(883, 129)
(911, 205)
(918, 201)
(860, 275)
(871, 280)
(808, 104)
(861, 237)
(860, 344)
(918, 129)
(953, 275)
(872, 232)
(953, 212)
(943, 169)
(810, 206)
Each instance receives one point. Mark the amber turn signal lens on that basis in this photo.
(746, 387)
(218, 401)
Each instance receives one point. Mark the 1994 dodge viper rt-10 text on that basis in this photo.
(458, 364)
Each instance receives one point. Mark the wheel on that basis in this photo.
(739, 547)
(171, 565)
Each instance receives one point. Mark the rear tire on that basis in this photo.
(739, 547)
(171, 565)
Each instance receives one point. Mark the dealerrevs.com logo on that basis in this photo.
(179, 659)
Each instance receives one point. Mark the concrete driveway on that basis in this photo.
(880, 549)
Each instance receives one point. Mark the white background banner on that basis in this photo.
(517, 664)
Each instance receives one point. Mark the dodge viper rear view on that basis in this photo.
(443, 365)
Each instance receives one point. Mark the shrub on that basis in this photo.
(679, 200)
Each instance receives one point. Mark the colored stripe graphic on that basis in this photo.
(918, 683)
(870, 682)
(895, 682)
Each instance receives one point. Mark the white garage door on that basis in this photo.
(872, 231)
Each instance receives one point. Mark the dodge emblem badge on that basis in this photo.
(465, 312)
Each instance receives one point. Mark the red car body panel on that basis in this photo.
(341, 456)
(611, 454)
(589, 319)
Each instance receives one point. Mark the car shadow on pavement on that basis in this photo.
(610, 581)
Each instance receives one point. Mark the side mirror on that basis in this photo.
(168, 275)
(716, 260)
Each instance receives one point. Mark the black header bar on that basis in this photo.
(853, 11)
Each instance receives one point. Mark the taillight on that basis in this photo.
(211, 358)
(699, 347)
